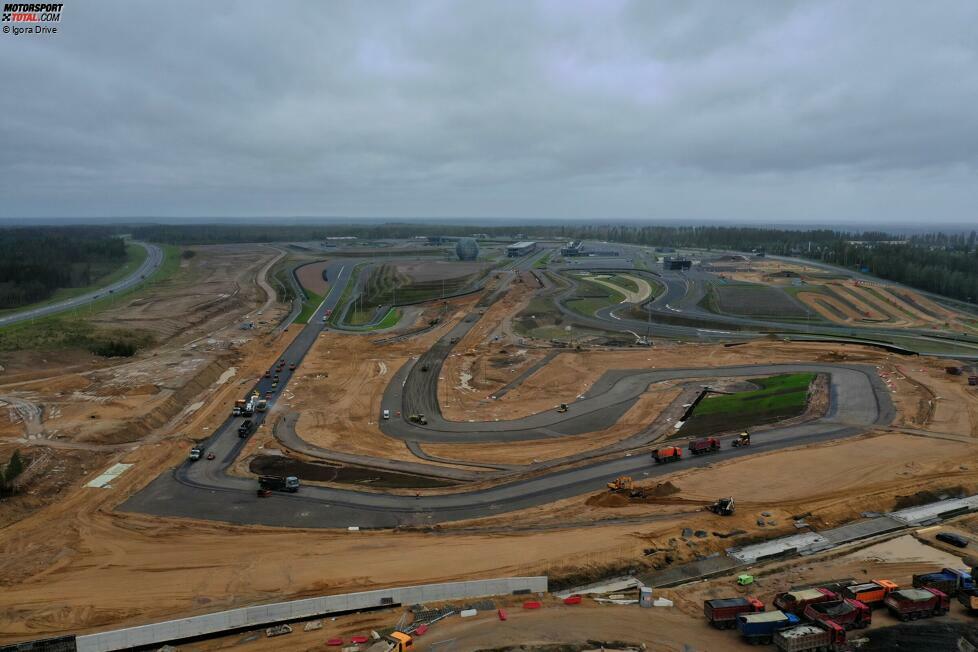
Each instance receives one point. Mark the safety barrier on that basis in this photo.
(270, 614)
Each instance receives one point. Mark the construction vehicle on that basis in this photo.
(817, 637)
(722, 612)
(705, 445)
(723, 507)
(245, 428)
(794, 602)
(969, 599)
(911, 604)
(195, 453)
(949, 581)
(973, 380)
(562, 407)
(238, 409)
(621, 483)
(393, 642)
(847, 613)
(418, 418)
(667, 454)
(870, 592)
(278, 483)
(261, 405)
(742, 440)
(760, 628)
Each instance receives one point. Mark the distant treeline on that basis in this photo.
(34, 262)
(936, 262)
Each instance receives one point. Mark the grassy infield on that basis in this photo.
(71, 329)
(779, 397)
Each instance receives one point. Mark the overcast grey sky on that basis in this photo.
(769, 110)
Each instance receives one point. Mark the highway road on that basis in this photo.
(153, 261)
(204, 490)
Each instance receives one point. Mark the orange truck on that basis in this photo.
(870, 593)
(667, 454)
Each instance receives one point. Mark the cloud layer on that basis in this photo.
(833, 111)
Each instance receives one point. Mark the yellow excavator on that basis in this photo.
(621, 483)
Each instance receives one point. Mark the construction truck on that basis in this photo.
(723, 507)
(742, 440)
(667, 454)
(621, 483)
(261, 405)
(278, 483)
(704, 446)
(239, 407)
(393, 642)
(418, 418)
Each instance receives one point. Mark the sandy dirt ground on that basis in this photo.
(435, 270)
(631, 296)
(311, 277)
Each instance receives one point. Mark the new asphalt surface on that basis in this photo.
(204, 490)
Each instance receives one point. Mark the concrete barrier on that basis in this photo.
(270, 614)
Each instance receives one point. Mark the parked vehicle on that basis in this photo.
(794, 602)
(847, 613)
(292, 367)
(953, 539)
(705, 445)
(870, 593)
(262, 404)
(387, 415)
(667, 454)
(760, 628)
(819, 636)
(278, 483)
(722, 612)
(969, 599)
(245, 428)
(195, 453)
(948, 581)
(911, 604)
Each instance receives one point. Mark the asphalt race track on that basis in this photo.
(204, 490)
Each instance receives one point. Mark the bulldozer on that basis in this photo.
(742, 440)
(621, 483)
(723, 507)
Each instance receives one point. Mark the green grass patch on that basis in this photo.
(623, 282)
(309, 307)
(542, 262)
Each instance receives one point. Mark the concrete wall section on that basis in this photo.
(263, 615)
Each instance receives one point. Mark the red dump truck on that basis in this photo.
(722, 612)
(794, 602)
(847, 613)
(705, 445)
(911, 604)
(805, 638)
(667, 454)
(870, 593)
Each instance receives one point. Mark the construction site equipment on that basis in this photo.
(969, 599)
(722, 612)
(245, 428)
(238, 409)
(760, 628)
(562, 407)
(809, 638)
(667, 454)
(742, 440)
(278, 483)
(723, 507)
(418, 418)
(973, 380)
(911, 604)
(393, 642)
(261, 405)
(948, 581)
(847, 613)
(195, 453)
(795, 601)
(621, 483)
(870, 592)
(705, 445)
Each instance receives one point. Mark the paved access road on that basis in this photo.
(204, 490)
(153, 261)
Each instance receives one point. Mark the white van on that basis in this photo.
(387, 415)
